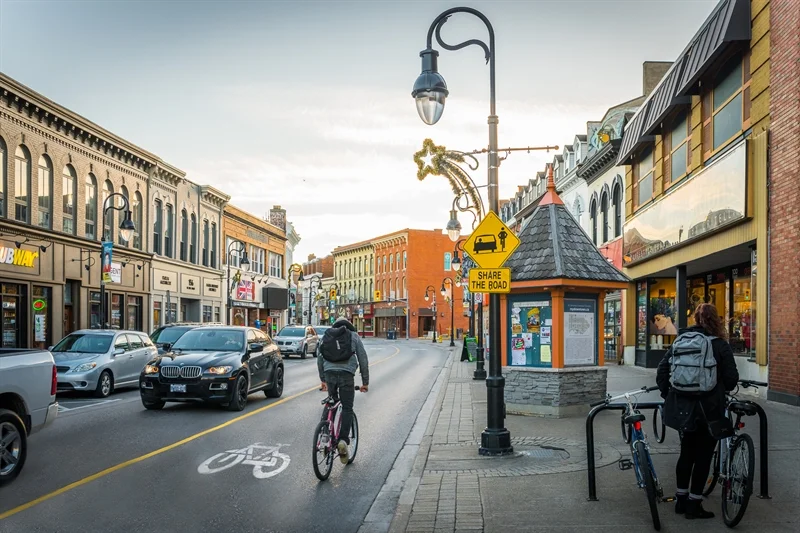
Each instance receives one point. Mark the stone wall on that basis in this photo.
(553, 392)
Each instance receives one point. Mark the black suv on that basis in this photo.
(166, 335)
(220, 364)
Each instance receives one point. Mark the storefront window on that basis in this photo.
(641, 315)
(217, 315)
(156, 314)
(94, 310)
(14, 316)
(135, 313)
(42, 330)
(662, 326)
(753, 300)
(116, 311)
(612, 328)
(206, 313)
(741, 323)
(697, 295)
(173, 313)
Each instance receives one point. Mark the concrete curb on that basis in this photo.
(391, 509)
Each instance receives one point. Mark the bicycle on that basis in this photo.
(734, 459)
(326, 436)
(633, 434)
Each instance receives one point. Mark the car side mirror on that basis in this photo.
(255, 347)
(166, 347)
(50, 348)
(118, 351)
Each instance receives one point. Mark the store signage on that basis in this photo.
(256, 236)
(245, 290)
(190, 284)
(39, 304)
(210, 287)
(713, 199)
(115, 273)
(105, 261)
(14, 256)
(490, 280)
(165, 280)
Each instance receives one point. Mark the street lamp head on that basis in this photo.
(443, 290)
(430, 89)
(245, 262)
(453, 226)
(458, 281)
(127, 227)
(455, 264)
(426, 296)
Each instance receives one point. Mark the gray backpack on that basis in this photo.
(693, 367)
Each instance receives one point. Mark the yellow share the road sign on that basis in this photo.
(490, 280)
(491, 244)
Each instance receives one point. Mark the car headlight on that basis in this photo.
(151, 369)
(219, 370)
(85, 367)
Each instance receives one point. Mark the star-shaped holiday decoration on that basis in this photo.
(429, 159)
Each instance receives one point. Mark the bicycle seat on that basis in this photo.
(635, 417)
(743, 408)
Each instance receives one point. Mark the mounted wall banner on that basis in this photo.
(580, 333)
(116, 273)
(105, 262)
(491, 244)
(490, 280)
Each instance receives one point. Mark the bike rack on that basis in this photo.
(763, 444)
(590, 437)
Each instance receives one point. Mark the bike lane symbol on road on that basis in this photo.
(267, 461)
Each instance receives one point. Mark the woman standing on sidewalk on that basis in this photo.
(691, 413)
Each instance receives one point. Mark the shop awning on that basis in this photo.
(389, 312)
(424, 311)
(664, 98)
(633, 138)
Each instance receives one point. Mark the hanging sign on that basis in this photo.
(105, 261)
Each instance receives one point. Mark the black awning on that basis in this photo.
(663, 99)
(730, 22)
(424, 311)
(633, 138)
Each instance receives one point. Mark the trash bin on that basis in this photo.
(391, 335)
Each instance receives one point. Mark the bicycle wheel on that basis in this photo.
(736, 490)
(626, 429)
(659, 427)
(322, 455)
(713, 476)
(353, 440)
(649, 482)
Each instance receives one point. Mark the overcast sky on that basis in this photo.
(308, 104)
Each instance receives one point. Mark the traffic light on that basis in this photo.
(333, 294)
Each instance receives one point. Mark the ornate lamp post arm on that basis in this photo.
(126, 231)
(242, 249)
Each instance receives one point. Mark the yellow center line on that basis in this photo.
(167, 448)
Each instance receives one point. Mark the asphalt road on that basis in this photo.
(113, 466)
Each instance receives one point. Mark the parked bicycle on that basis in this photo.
(327, 436)
(634, 435)
(734, 459)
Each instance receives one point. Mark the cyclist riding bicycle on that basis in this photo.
(342, 353)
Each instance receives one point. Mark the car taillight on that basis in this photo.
(54, 382)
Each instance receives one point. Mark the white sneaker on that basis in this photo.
(344, 452)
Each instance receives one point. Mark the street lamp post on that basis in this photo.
(456, 264)
(433, 291)
(430, 92)
(452, 299)
(312, 289)
(126, 231)
(244, 262)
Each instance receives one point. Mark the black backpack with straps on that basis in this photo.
(337, 345)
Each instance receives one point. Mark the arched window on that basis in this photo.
(604, 213)
(170, 232)
(3, 176)
(205, 242)
(391, 289)
(108, 229)
(158, 227)
(193, 241)
(391, 263)
(383, 290)
(404, 294)
(22, 183)
(405, 260)
(616, 200)
(124, 192)
(90, 197)
(138, 220)
(397, 260)
(184, 234)
(577, 211)
(45, 192)
(371, 291)
(593, 219)
(69, 191)
(214, 245)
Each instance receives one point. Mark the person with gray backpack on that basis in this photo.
(693, 377)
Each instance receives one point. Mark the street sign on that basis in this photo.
(491, 280)
(491, 243)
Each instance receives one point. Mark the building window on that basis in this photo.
(235, 253)
(213, 245)
(593, 219)
(405, 260)
(604, 213)
(22, 183)
(69, 182)
(134, 315)
(207, 313)
(616, 200)
(447, 259)
(643, 179)
(727, 99)
(256, 260)
(3, 177)
(184, 233)
(677, 144)
(578, 211)
(124, 192)
(403, 294)
(216, 314)
(94, 310)
(384, 264)
(275, 265)
(205, 242)
(90, 193)
(108, 228)
(158, 227)
(169, 232)
(138, 220)
(193, 241)
(45, 192)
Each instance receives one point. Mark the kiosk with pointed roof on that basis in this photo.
(552, 320)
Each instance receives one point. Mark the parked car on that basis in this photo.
(101, 360)
(221, 365)
(320, 330)
(166, 335)
(27, 404)
(300, 340)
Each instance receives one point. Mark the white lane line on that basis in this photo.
(61, 408)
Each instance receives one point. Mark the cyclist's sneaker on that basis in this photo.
(694, 509)
(680, 503)
(344, 452)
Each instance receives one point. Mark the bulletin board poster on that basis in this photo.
(530, 329)
(580, 332)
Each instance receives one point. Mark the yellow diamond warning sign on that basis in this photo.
(491, 243)
(490, 280)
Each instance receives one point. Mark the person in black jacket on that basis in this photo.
(690, 414)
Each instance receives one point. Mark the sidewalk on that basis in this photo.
(543, 485)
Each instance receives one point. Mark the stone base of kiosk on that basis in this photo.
(553, 392)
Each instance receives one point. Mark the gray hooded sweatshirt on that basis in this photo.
(356, 361)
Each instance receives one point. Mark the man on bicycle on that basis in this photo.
(342, 353)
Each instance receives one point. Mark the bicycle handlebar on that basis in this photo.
(608, 399)
(749, 383)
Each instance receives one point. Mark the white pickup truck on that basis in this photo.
(27, 404)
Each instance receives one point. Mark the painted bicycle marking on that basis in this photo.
(267, 461)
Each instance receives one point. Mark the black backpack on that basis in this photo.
(337, 345)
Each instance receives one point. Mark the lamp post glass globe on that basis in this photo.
(443, 290)
(455, 264)
(245, 262)
(430, 104)
(127, 228)
(453, 226)
(426, 296)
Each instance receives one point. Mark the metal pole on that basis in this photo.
(102, 281)
(471, 314)
(480, 372)
(229, 310)
(435, 331)
(452, 314)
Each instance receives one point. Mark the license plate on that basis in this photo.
(177, 388)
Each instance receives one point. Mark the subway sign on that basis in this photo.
(14, 256)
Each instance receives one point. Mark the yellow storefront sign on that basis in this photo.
(490, 280)
(14, 256)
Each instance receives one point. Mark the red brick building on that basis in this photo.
(323, 266)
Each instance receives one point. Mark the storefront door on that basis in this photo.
(13, 301)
